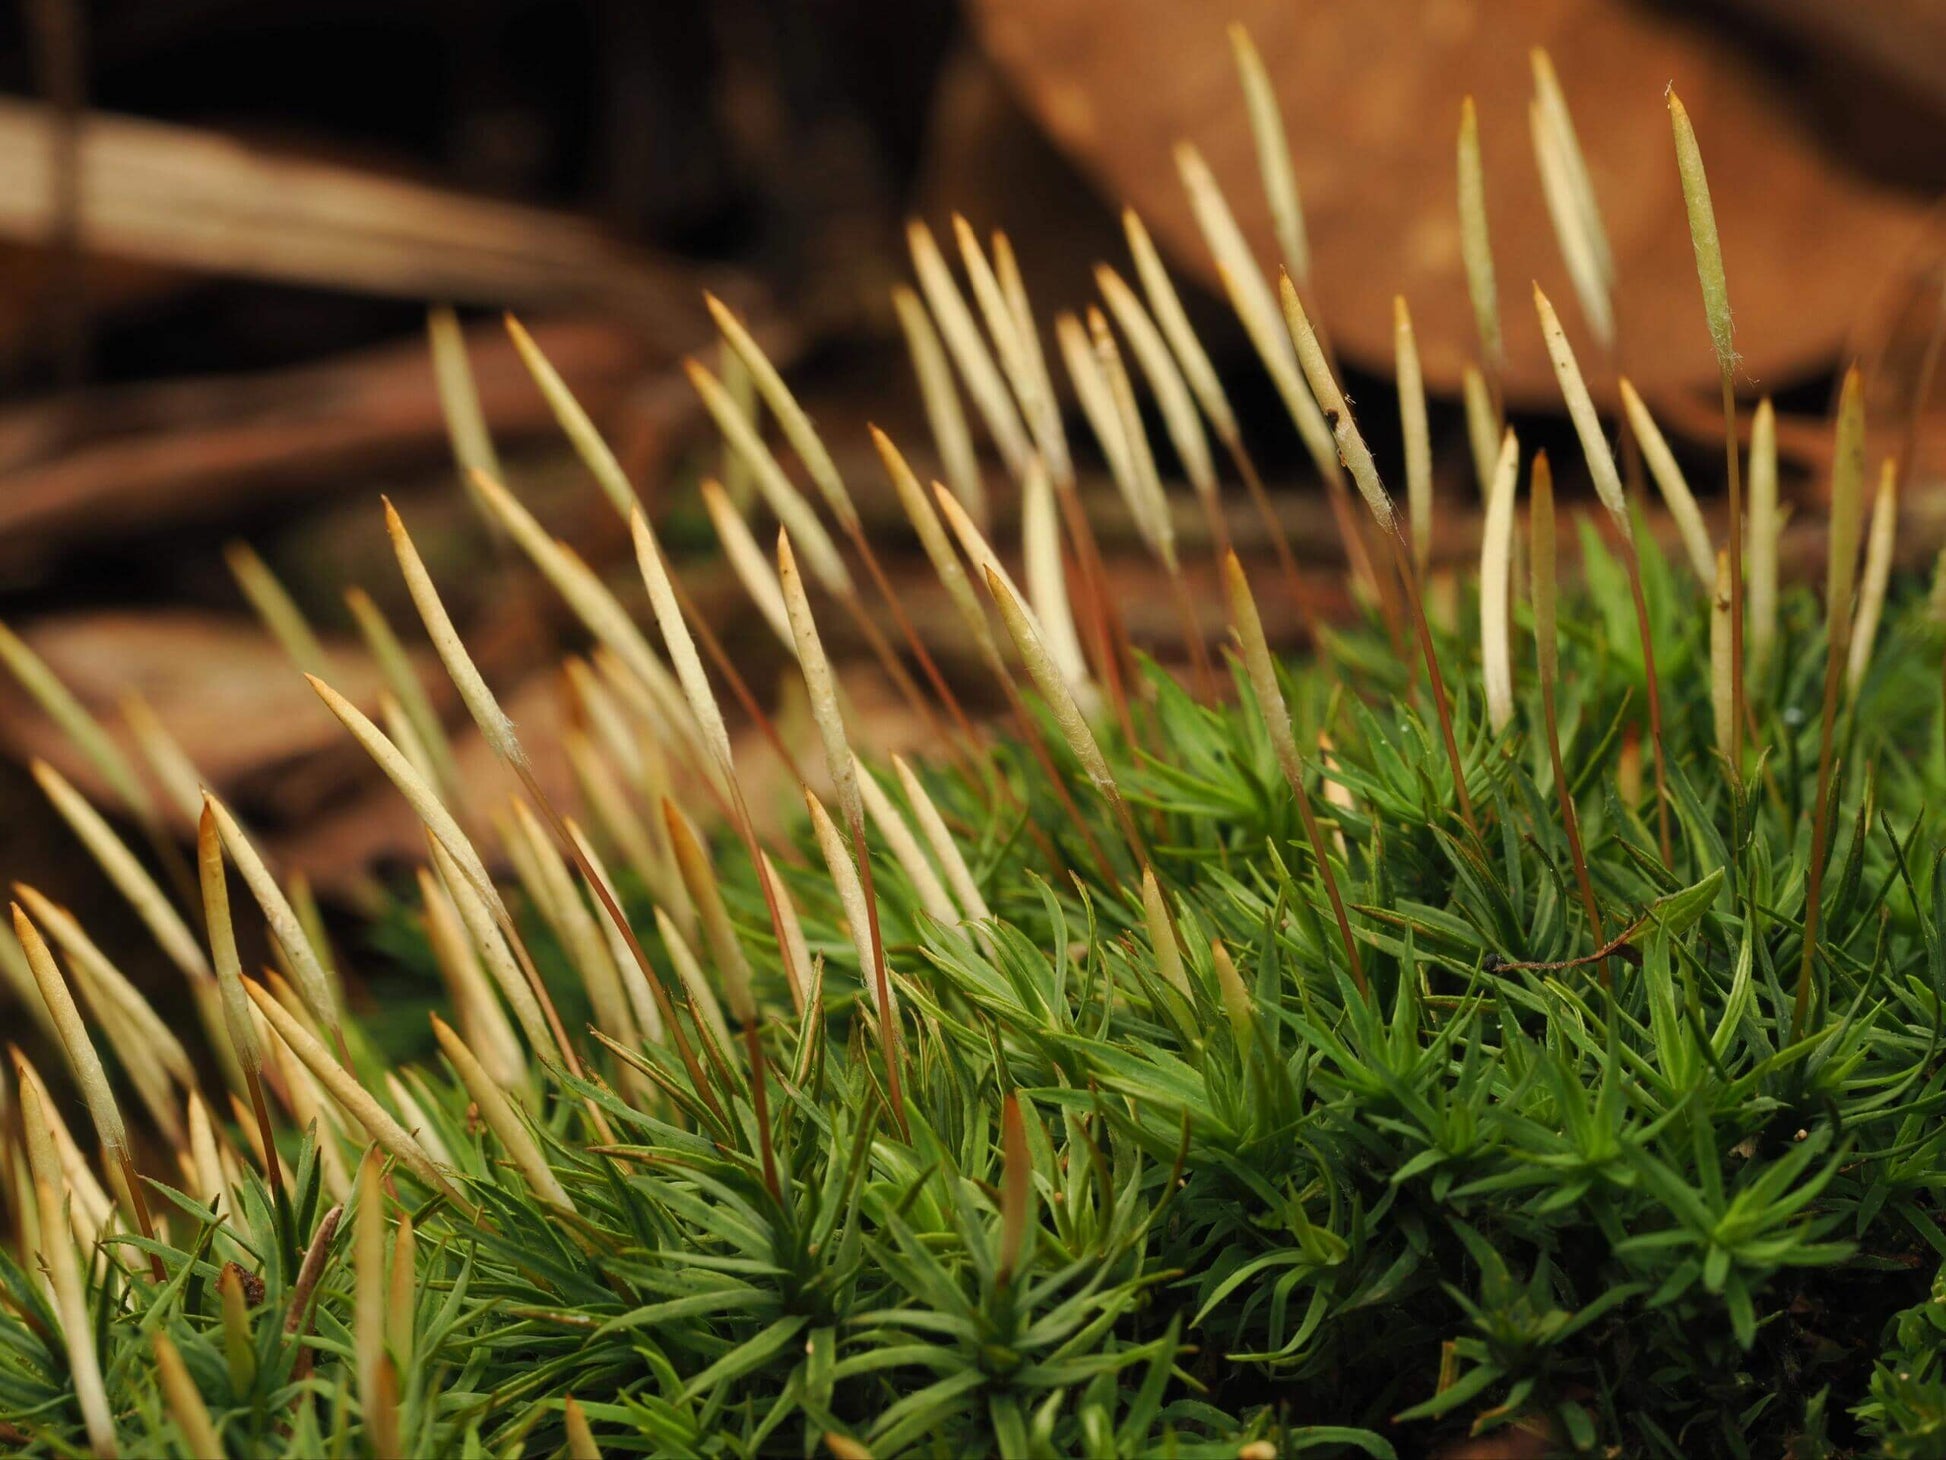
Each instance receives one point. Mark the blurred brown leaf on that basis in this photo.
(1371, 97)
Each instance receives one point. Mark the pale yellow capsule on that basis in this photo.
(944, 414)
(502, 1119)
(346, 1090)
(1162, 935)
(83, 1061)
(1496, 582)
(575, 425)
(1877, 577)
(65, 1277)
(1273, 155)
(1668, 476)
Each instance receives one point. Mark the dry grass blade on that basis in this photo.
(164, 923)
(933, 827)
(1571, 199)
(1016, 1189)
(1716, 307)
(725, 949)
(182, 1398)
(402, 678)
(1172, 397)
(1255, 305)
(1544, 595)
(460, 668)
(417, 791)
(919, 510)
(1722, 699)
(76, 1043)
(1047, 588)
(1482, 425)
(904, 846)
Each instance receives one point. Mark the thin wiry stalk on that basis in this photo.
(841, 766)
(1847, 494)
(1358, 461)
(1249, 629)
(1716, 306)
(1544, 595)
(1722, 650)
(1608, 486)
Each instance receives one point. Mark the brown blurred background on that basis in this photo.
(221, 224)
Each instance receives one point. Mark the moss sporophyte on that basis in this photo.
(1346, 1054)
